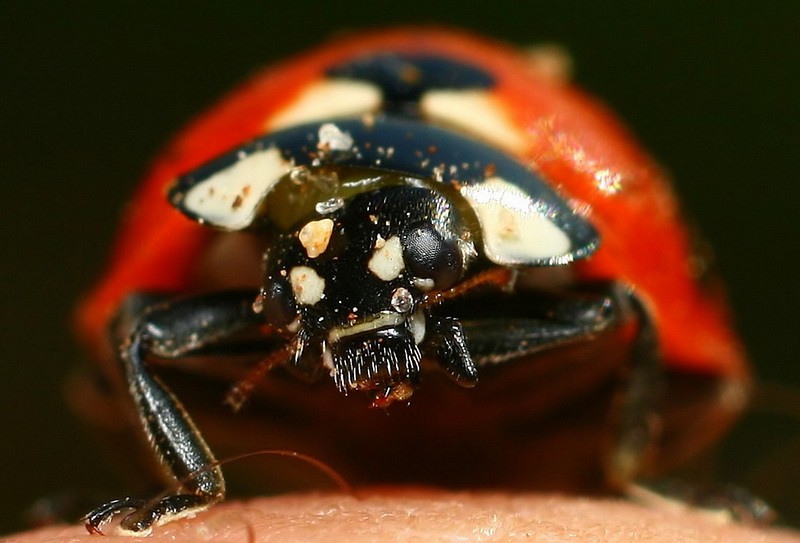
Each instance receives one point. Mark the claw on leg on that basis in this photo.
(102, 515)
(144, 514)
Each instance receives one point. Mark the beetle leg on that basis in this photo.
(567, 320)
(563, 320)
(636, 416)
(447, 337)
(635, 435)
(172, 330)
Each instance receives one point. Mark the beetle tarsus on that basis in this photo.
(102, 515)
(145, 514)
(174, 329)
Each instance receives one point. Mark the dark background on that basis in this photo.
(91, 91)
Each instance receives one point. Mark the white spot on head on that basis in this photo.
(477, 113)
(387, 260)
(329, 99)
(229, 198)
(307, 285)
(315, 236)
(514, 230)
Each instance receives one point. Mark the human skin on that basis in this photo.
(432, 515)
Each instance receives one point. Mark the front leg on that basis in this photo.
(172, 330)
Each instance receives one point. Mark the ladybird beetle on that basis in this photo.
(423, 218)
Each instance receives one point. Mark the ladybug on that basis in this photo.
(439, 224)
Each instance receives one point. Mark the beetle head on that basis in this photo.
(356, 247)
(350, 280)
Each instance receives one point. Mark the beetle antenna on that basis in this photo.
(241, 391)
(502, 278)
(323, 467)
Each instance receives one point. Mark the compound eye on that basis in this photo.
(429, 256)
(276, 302)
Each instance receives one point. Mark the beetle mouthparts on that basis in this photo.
(384, 363)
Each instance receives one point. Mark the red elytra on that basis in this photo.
(571, 140)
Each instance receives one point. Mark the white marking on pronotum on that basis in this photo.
(229, 198)
(388, 319)
(514, 230)
(475, 112)
(387, 259)
(307, 285)
(329, 99)
(331, 138)
(315, 236)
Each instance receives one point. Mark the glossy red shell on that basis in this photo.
(571, 139)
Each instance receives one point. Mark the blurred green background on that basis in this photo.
(91, 90)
